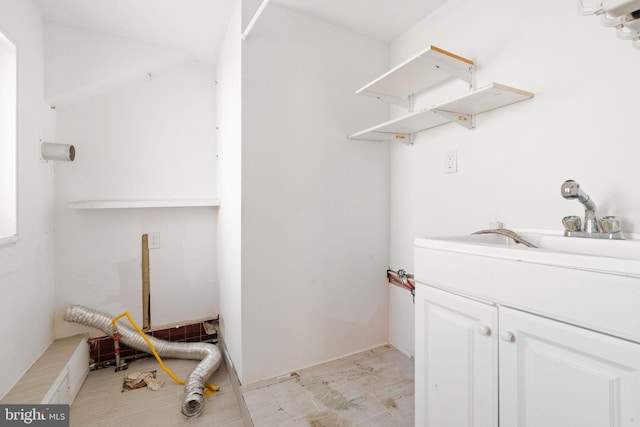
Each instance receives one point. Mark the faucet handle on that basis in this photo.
(611, 224)
(572, 223)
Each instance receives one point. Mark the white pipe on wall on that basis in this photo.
(52, 151)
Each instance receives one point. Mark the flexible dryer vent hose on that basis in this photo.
(208, 354)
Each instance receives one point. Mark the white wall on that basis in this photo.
(26, 268)
(8, 135)
(151, 138)
(314, 204)
(81, 62)
(229, 139)
(580, 125)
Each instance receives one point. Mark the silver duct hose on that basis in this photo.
(208, 354)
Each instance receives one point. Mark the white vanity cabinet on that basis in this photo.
(483, 364)
(558, 375)
(456, 355)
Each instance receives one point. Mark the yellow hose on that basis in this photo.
(210, 387)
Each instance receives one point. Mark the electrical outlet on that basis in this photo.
(154, 240)
(451, 162)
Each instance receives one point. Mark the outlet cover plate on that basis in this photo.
(154, 240)
(451, 162)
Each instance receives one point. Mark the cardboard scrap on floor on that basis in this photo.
(210, 327)
(136, 380)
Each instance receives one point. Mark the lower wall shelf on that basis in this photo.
(460, 110)
(131, 204)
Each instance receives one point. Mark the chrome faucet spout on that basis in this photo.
(571, 190)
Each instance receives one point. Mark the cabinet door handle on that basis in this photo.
(507, 336)
(484, 330)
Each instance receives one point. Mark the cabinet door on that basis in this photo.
(557, 375)
(456, 361)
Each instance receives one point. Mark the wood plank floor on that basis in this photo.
(370, 388)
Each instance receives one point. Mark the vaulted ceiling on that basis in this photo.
(199, 25)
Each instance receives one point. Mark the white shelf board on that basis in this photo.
(427, 68)
(485, 99)
(479, 101)
(129, 204)
(402, 128)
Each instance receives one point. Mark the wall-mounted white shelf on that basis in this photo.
(402, 128)
(485, 99)
(418, 73)
(132, 204)
(428, 68)
(460, 110)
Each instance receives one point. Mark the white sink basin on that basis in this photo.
(553, 248)
(594, 283)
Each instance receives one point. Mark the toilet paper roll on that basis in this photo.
(52, 151)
